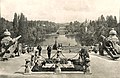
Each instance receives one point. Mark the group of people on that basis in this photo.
(49, 49)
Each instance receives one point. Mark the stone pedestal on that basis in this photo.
(27, 70)
(57, 66)
(27, 67)
(58, 69)
(32, 60)
(88, 69)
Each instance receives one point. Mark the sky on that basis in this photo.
(60, 11)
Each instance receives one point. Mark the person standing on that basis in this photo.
(39, 48)
(49, 51)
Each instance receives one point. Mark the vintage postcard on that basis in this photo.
(59, 38)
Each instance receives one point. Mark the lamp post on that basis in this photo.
(43, 32)
(55, 45)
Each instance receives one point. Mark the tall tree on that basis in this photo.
(23, 27)
(15, 24)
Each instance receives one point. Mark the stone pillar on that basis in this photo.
(86, 66)
(27, 67)
(59, 50)
(32, 60)
(36, 55)
(57, 66)
(88, 69)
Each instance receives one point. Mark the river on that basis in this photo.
(61, 38)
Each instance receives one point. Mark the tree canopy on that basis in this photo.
(31, 31)
(95, 28)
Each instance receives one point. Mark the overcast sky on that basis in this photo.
(60, 10)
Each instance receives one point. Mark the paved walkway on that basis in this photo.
(13, 64)
(102, 67)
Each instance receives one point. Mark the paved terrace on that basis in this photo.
(101, 66)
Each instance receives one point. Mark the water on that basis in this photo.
(66, 41)
(61, 38)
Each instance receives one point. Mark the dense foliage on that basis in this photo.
(89, 32)
(32, 31)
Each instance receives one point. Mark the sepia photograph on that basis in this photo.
(59, 39)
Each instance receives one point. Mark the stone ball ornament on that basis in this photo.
(112, 32)
(7, 33)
